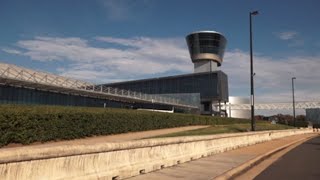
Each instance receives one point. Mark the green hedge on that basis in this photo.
(27, 124)
(299, 123)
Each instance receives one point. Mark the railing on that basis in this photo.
(9, 71)
(273, 106)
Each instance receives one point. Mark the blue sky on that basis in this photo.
(116, 40)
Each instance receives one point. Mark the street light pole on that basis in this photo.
(293, 102)
(253, 123)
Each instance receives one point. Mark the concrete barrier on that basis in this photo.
(121, 160)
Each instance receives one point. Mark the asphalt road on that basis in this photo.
(302, 162)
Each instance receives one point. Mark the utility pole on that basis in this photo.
(253, 123)
(293, 102)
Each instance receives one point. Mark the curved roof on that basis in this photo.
(205, 31)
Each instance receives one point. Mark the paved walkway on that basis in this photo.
(112, 138)
(210, 167)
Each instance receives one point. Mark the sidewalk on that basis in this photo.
(213, 166)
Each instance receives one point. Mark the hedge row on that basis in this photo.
(298, 123)
(27, 124)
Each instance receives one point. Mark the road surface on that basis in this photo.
(302, 162)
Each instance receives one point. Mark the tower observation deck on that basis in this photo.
(206, 50)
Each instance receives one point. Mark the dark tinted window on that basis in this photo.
(206, 43)
(207, 84)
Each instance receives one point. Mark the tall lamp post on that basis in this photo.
(293, 102)
(253, 123)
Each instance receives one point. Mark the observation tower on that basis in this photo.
(206, 50)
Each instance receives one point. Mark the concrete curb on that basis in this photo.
(123, 160)
(247, 165)
(30, 153)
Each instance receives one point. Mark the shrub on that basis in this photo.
(27, 124)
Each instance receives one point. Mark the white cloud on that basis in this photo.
(11, 51)
(135, 58)
(273, 76)
(287, 35)
(292, 37)
(172, 48)
(50, 49)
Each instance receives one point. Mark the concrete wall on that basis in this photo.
(205, 66)
(121, 160)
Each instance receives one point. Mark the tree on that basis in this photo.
(301, 118)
